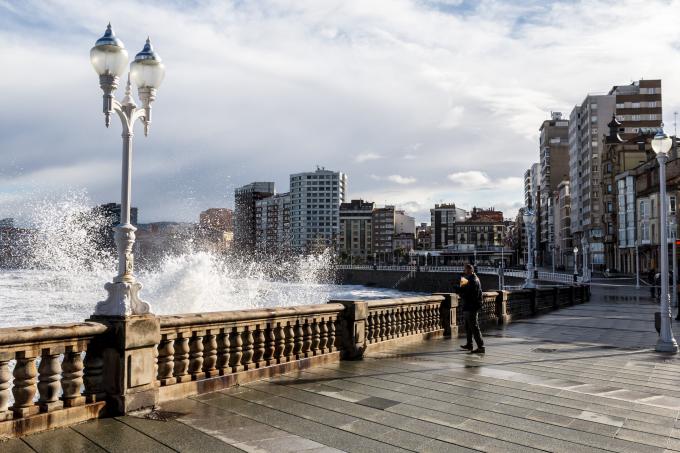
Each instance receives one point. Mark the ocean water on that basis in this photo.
(67, 271)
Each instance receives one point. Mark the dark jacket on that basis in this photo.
(471, 294)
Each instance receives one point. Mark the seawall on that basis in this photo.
(428, 282)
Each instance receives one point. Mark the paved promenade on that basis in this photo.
(583, 378)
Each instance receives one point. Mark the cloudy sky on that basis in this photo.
(418, 101)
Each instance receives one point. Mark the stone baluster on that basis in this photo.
(196, 357)
(92, 377)
(415, 319)
(316, 338)
(323, 336)
(370, 327)
(5, 381)
(24, 386)
(49, 381)
(181, 359)
(401, 316)
(259, 346)
(210, 354)
(72, 377)
(279, 351)
(306, 339)
(248, 340)
(166, 360)
(270, 345)
(428, 318)
(393, 323)
(297, 337)
(382, 328)
(236, 351)
(223, 352)
(332, 338)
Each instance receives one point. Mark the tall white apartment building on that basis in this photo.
(587, 125)
(315, 199)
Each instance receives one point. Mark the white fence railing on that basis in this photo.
(542, 276)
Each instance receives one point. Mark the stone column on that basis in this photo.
(447, 312)
(129, 361)
(502, 308)
(352, 328)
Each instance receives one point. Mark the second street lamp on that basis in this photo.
(109, 59)
(661, 144)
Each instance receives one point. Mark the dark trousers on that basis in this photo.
(472, 328)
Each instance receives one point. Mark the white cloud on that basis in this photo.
(478, 180)
(366, 157)
(397, 179)
(258, 90)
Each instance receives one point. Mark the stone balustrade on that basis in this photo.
(111, 366)
(56, 364)
(234, 346)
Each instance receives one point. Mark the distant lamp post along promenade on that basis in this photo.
(109, 59)
(529, 219)
(661, 144)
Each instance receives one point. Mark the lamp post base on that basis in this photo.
(666, 346)
(123, 300)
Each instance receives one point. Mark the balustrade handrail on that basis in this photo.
(20, 337)
(255, 314)
(381, 303)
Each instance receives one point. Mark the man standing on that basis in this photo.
(470, 291)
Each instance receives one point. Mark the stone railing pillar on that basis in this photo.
(129, 361)
(502, 308)
(447, 313)
(352, 328)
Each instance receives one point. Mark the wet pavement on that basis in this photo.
(585, 378)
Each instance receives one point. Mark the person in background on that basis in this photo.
(470, 291)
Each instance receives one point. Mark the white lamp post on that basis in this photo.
(575, 264)
(109, 59)
(528, 218)
(661, 144)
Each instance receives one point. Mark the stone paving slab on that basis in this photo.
(581, 379)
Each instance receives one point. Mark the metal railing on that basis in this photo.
(556, 277)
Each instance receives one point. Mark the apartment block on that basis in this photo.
(383, 232)
(356, 230)
(443, 224)
(588, 123)
(272, 224)
(315, 208)
(245, 198)
(554, 168)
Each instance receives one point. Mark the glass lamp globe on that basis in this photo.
(147, 71)
(575, 250)
(661, 143)
(528, 216)
(108, 56)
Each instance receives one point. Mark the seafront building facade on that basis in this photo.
(245, 199)
(554, 168)
(315, 199)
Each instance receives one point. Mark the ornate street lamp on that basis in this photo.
(109, 59)
(661, 144)
(528, 218)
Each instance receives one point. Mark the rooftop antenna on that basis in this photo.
(675, 123)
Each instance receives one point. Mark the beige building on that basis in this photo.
(272, 224)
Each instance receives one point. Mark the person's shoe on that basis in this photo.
(479, 350)
(467, 347)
